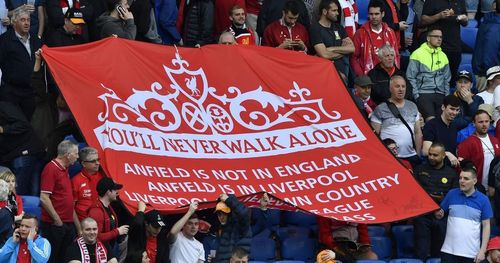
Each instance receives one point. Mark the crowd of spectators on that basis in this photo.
(400, 61)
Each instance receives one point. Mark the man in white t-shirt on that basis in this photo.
(387, 125)
(480, 148)
(493, 79)
(184, 248)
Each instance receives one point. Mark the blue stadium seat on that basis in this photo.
(362, 10)
(406, 260)
(297, 248)
(293, 231)
(370, 261)
(289, 261)
(433, 260)
(31, 205)
(252, 261)
(472, 23)
(403, 235)
(262, 249)
(466, 58)
(376, 231)
(382, 246)
(468, 36)
(299, 219)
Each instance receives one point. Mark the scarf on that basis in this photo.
(100, 252)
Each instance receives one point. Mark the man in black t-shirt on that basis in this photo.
(448, 15)
(329, 38)
(87, 249)
(436, 178)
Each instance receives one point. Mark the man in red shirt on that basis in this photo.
(369, 38)
(243, 35)
(25, 245)
(286, 32)
(102, 212)
(84, 183)
(56, 199)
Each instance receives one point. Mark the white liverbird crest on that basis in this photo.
(208, 111)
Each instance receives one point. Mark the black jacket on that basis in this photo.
(272, 10)
(380, 88)
(198, 23)
(137, 239)
(16, 63)
(18, 137)
(236, 232)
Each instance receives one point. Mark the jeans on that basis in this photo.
(60, 238)
(429, 236)
(28, 170)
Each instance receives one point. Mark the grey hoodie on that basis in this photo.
(108, 25)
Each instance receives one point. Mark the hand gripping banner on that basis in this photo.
(180, 125)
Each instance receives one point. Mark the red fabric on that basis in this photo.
(55, 181)
(277, 32)
(24, 255)
(406, 164)
(84, 192)
(221, 13)
(472, 149)
(350, 21)
(151, 248)
(365, 57)
(327, 225)
(395, 20)
(186, 125)
(179, 23)
(246, 39)
(253, 6)
(19, 201)
(99, 214)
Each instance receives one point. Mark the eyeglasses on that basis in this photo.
(92, 161)
(436, 36)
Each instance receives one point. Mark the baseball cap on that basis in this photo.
(221, 206)
(106, 184)
(363, 81)
(465, 74)
(153, 217)
(75, 16)
(488, 108)
(492, 72)
(494, 243)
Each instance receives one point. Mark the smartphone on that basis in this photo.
(120, 10)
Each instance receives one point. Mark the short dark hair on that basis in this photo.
(433, 28)
(451, 100)
(325, 4)
(111, 4)
(469, 168)
(31, 216)
(239, 252)
(479, 112)
(291, 6)
(376, 3)
(388, 141)
(193, 216)
(438, 144)
(235, 7)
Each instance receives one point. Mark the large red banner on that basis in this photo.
(181, 125)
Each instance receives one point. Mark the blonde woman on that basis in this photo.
(14, 201)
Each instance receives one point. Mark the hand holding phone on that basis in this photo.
(16, 236)
(123, 12)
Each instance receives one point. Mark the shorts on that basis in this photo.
(471, 5)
